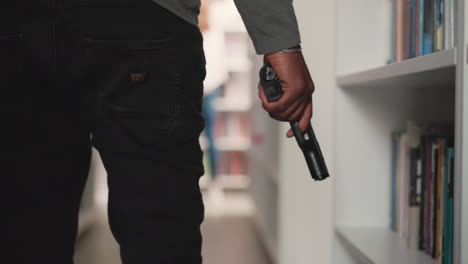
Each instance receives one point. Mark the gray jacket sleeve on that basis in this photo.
(271, 24)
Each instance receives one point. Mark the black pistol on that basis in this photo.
(307, 142)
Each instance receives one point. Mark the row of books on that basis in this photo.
(422, 27)
(232, 124)
(422, 188)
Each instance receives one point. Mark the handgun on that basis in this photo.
(307, 141)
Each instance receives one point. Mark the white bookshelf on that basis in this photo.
(233, 105)
(435, 69)
(372, 100)
(380, 245)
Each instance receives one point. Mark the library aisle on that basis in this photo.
(390, 113)
(228, 231)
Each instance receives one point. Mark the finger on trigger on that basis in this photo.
(285, 102)
(298, 113)
(293, 109)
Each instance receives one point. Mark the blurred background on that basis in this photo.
(379, 67)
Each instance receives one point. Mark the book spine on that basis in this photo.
(427, 212)
(399, 30)
(435, 25)
(440, 25)
(417, 28)
(449, 29)
(421, 27)
(438, 199)
(422, 212)
(413, 227)
(448, 249)
(412, 29)
(393, 198)
(393, 25)
(443, 172)
(433, 191)
(428, 26)
(405, 184)
(407, 29)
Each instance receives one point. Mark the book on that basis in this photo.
(404, 179)
(393, 18)
(439, 26)
(393, 186)
(424, 153)
(448, 214)
(421, 28)
(449, 24)
(418, 186)
(430, 149)
(400, 29)
(437, 196)
(414, 130)
(412, 29)
(414, 202)
(398, 184)
(442, 185)
(416, 25)
(428, 28)
(407, 28)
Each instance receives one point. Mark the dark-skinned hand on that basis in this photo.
(297, 84)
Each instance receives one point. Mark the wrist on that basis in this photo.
(294, 49)
(282, 54)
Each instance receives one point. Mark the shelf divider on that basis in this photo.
(379, 245)
(436, 69)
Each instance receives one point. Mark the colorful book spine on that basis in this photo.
(423, 209)
(428, 26)
(439, 26)
(412, 29)
(400, 29)
(414, 205)
(404, 184)
(416, 27)
(427, 217)
(438, 199)
(393, 25)
(449, 24)
(448, 223)
(393, 214)
(422, 188)
(407, 29)
(421, 28)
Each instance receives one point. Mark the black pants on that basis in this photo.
(125, 76)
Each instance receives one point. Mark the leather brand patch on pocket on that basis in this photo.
(138, 77)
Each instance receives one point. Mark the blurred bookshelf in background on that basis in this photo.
(232, 122)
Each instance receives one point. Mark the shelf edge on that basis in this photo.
(434, 61)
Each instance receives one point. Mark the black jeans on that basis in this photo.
(125, 76)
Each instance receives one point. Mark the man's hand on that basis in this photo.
(297, 84)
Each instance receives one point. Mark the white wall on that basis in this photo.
(307, 210)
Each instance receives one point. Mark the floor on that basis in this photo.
(229, 235)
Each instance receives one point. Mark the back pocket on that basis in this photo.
(137, 84)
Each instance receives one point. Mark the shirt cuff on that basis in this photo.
(266, 46)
